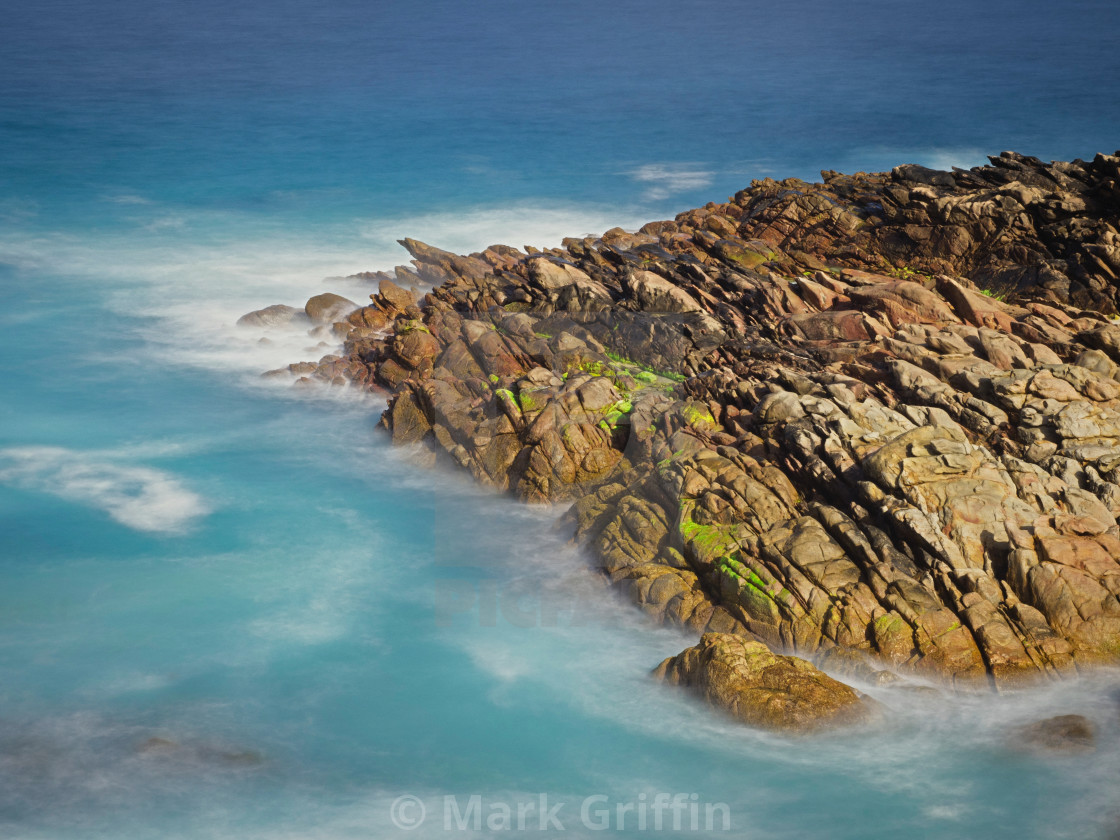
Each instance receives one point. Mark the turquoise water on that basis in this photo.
(228, 609)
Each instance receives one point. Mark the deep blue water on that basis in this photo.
(228, 609)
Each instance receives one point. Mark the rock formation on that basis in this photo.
(870, 420)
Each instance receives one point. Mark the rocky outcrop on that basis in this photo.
(780, 693)
(873, 421)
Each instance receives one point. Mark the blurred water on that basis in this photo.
(228, 609)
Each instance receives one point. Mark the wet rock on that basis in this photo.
(780, 693)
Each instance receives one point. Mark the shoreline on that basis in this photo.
(872, 421)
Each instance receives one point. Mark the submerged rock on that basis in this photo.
(157, 747)
(763, 689)
(1061, 734)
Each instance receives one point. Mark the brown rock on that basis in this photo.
(656, 294)
(415, 347)
(393, 295)
(904, 302)
(973, 308)
(760, 688)
(328, 308)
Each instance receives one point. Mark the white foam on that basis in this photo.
(136, 681)
(188, 276)
(127, 198)
(948, 158)
(539, 225)
(883, 158)
(139, 497)
(952, 813)
(667, 179)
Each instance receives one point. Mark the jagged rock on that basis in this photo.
(396, 297)
(760, 688)
(656, 294)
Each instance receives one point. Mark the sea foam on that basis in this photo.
(138, 497)
(185, 285)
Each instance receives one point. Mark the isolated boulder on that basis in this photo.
(764, 689)
(328, 308)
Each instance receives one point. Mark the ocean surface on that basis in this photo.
(229, 610)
